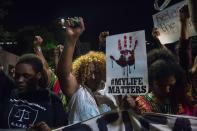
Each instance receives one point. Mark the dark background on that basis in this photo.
(117, 16)
(26, 18)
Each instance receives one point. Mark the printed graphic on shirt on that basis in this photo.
(23, 114)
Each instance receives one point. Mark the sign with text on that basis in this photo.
(126, 62)
(168, 24)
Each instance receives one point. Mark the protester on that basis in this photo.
(6, 86)
(88, 72)
(38, 41)
(183, 49)
(53, 83)
(57, 52)
(31, 102)
(191, 11)
(102, 41)
(164, 54)
(184, 46)
(28, 103)
(81, 48)
(168, 89)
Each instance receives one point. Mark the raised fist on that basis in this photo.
(102, 37)
(155, 33)
(58, 50)
(38, 41)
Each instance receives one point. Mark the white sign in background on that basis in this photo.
(168, 24)
(125, 75)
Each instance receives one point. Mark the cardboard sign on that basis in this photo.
(126, 62)
(168, 24)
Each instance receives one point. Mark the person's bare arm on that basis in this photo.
(38, 51)
(57, 53)
(193, 11)
(184, 19)
(184, 50)
(67, 81)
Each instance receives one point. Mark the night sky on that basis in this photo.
(117, 16)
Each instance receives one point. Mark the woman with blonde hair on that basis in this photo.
(78, 80)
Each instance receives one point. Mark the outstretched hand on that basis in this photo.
(72, 32)
(58, 50)
(102, 36)
(38, 41)
(155, 33)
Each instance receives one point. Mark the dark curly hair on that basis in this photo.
(161, 69)
(37, 66)
(163, 54)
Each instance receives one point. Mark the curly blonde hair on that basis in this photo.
(81, 67)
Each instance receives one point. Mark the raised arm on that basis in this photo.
(57, 53)
(184, 18)
(193, 11)
(184, 52)
(102, 40)
(67, 81)
(38, 51)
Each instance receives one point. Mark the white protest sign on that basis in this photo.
(126, 63)
(168, 24)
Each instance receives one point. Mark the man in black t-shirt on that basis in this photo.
(31, 103)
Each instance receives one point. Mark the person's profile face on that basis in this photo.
(164, 86)
(25, 76)
(95, 78)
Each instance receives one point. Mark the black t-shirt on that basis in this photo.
(28, 108)
(6, 85)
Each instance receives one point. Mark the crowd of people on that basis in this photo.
(37, 97)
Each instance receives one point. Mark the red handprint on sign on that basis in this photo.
(127, 54)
